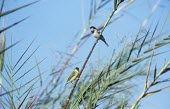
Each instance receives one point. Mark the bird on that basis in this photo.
(73, 75)
(97, 34)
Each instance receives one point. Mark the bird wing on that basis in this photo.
(72, 76)
(103, 39)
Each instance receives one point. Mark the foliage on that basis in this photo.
(111, 87)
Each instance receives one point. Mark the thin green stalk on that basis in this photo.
(149, 86)
(70, 95)
(75, 49)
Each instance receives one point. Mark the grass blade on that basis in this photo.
(25, 61)
(30, 70)
(29, 90)
(16, 9)
(39, 71)
(24, 53)
(154, 92)
(103, 4)
(6, 28)
(158, 45)
(7, 92)
(91, 11)
(146, 57)
(155, 29)
(155, 71)
(167, 38)
(9, 47)
(143, 41)
(2, 6)
(2, 47)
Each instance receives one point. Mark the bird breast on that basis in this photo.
(96, 34)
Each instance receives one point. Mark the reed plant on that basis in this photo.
(111, 87)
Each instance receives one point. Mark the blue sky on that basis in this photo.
(55, 23)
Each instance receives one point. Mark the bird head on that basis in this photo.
(92, 28)
(77, 68)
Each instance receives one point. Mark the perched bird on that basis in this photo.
(73, 75)
(97, 34)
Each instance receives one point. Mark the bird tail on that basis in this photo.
(66, 84)
(103, 39)
(105, 43)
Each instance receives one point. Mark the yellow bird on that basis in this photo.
(73, 75)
